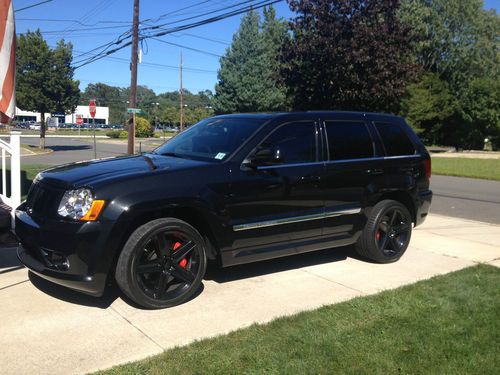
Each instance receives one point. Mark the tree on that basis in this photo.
(109, 96)
(44, 77)
(350, 55)
(458, 42)
(428, 104)
(248, 76)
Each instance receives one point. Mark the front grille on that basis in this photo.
(42, 200)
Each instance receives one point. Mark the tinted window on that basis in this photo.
(211, 139)
(294, 142)
(395, 140)
(348, 140)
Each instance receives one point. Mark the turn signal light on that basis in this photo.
(94, 211)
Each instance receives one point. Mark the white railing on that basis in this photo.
(14, 150)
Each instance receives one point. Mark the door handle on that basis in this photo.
(374, 171)
(310, 179)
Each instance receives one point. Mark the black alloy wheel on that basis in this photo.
(162, 263)
(393, 232)
(387, 233)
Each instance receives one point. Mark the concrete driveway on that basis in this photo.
(46, 329)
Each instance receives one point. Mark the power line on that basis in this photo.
(68, 30)
(32, 5)
(213, 19)
(186, 47)
(59, 20)
(201, 15)
(156, 65)
(175, 11)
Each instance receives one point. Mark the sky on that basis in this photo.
(92, 23)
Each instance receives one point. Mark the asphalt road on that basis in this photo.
(68, 150)
(453, 196)
(466, 198)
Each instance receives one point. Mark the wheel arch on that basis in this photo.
(402, 197)
(133, 219)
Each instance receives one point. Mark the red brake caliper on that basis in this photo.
(183, 262)
(377, 235)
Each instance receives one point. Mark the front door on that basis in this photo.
(276, 205)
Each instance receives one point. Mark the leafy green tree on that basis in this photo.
(458, 41)
(274, 34)
(428, 104)
(350, 55)
(44, 80)
(115, 98)
(248, 76)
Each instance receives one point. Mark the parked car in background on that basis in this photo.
(236, 188)
(35, 126)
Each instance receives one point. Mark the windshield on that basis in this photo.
(211, 139)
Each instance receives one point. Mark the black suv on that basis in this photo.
(237, 188)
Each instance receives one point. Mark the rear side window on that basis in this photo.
(396, 141)
(348, 140)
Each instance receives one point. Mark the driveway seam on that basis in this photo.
(11, 285)
(334, 282)
(462, 239)
(138, 329)
(451, 256)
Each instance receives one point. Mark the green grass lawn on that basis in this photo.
(446, 325)
(476, 168)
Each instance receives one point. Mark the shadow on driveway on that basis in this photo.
(68, 295)
(8, 259)
(313, 258)
(69, 147)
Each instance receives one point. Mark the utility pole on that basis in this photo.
(182, 100)
(133, 79)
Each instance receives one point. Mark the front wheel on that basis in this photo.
(162, 264)
(387, 233)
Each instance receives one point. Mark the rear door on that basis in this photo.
(401, 159)
(350, 171)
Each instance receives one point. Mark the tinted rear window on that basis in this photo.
(348, 140)
(395, 140)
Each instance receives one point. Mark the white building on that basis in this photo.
(101, 116)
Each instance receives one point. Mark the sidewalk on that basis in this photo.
(47, 329)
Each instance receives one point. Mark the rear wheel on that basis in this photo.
(387, 233)
(162, 264)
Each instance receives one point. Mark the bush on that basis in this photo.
(117, 134)
(143, 128)
(113, 134)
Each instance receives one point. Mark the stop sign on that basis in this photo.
(92, 107)
(79, 120)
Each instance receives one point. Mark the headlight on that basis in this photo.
(76, 204)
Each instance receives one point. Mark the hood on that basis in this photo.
(90, 173)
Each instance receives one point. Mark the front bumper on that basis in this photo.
(93, 285)
(66, 253)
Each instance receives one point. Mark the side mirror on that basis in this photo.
(264, 156)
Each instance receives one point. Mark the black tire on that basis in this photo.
(162, 264)
(387, 233)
